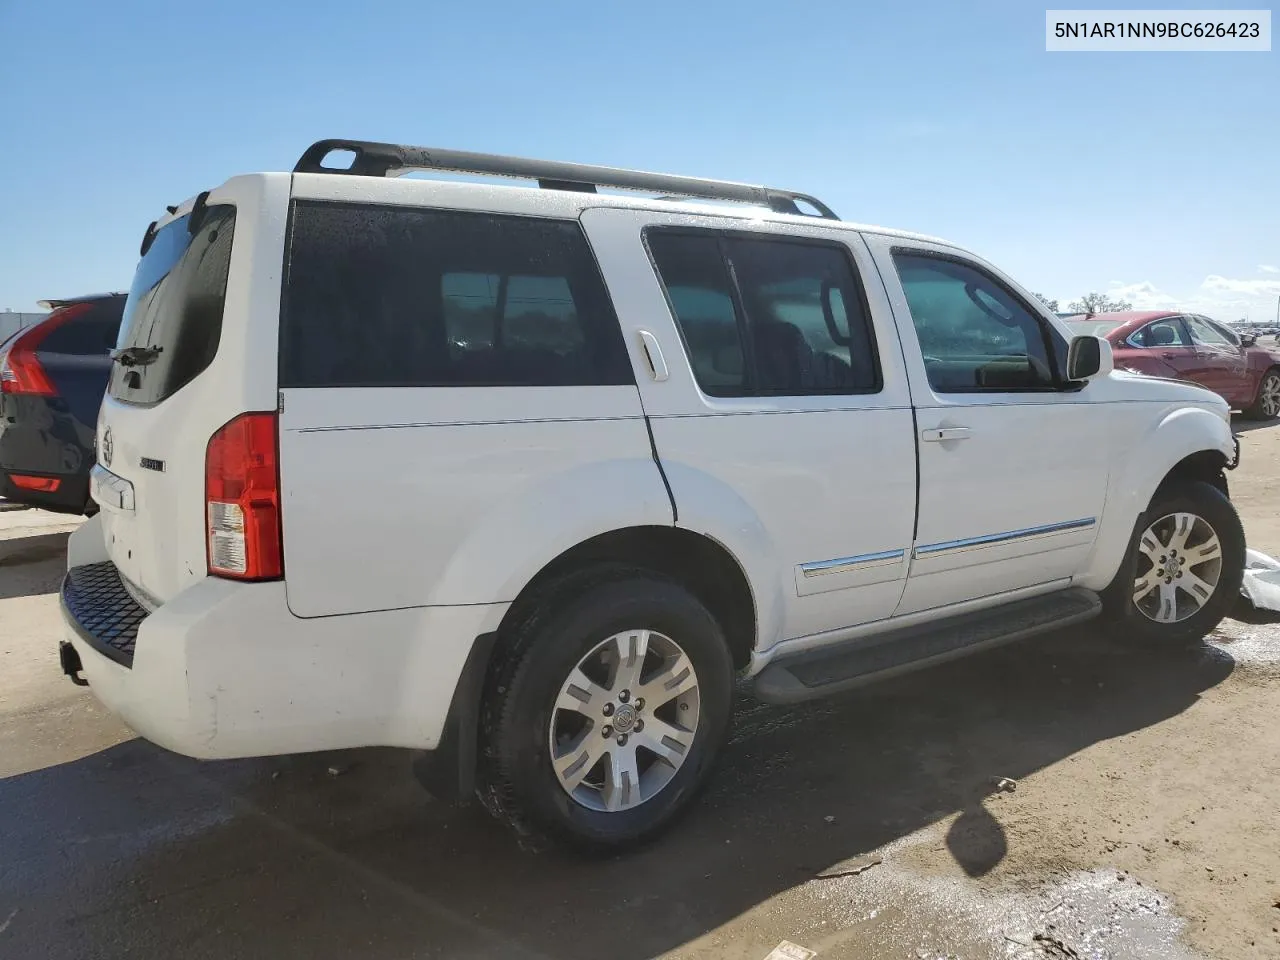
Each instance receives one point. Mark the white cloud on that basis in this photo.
(1223, 298)
(1268, 268)
(1245, 288)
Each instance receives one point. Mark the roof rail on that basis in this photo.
(388, 159)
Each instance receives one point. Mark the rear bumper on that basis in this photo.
(40, 438)
(72, 495)
(224, 669)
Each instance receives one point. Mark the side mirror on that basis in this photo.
(1247, 339)
(1089, 358)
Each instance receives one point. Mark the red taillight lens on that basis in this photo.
(39, 484)
(242, 499)
(20, 369)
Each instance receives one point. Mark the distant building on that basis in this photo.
(11, 323)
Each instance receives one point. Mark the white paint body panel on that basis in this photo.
(412, 517)
(780, 481)
(410, 497)
(224, 669)
(160, 544)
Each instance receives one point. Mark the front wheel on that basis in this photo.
(610, 705)
(1183, 570)
(1266, 405)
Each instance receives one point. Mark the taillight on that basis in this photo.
(39, 484)
(20, 369)
(242, 499)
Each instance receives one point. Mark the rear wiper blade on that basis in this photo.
(136, 356)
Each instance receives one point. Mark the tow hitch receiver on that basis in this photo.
(71, 665)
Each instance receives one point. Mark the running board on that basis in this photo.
(819, 673)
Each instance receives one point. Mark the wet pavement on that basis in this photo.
(867, 827)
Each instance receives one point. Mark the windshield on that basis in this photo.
(174, 309)
(1096, 328)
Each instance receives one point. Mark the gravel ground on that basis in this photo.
(1139, 820)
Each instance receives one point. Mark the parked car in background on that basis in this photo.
(52, 378)
(1187, 346)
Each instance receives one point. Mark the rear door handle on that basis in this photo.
(653, 354)
(940, 434)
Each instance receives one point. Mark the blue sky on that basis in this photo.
(1156, 174)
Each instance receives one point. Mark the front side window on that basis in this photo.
(1209, 334)
(976, 336)
(403, 296)
(767, 317)
(173, 315)
(1168, 332)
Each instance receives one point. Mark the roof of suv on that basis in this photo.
(679, 193)
(575, 183)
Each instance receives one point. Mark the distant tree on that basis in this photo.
(1051, 304)
(1098, 303)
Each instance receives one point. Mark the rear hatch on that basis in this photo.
(188, 361)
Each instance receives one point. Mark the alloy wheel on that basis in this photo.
(624, 721)
(1270, 395)
(1179, 566)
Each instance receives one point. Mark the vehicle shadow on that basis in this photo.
(32, 565)
(134, 851)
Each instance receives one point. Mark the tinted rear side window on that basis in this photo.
(175, 307)
(767, 316)
(89, 334)
(406, 297)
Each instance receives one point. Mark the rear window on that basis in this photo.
(175, 307)
(403, 297)
(92, 333)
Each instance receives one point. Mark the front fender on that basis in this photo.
(517, 538)
(1178, 435)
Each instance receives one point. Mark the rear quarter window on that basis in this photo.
(401, 297)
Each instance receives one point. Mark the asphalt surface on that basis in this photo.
(111, 847)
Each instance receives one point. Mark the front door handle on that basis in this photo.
(941, 434)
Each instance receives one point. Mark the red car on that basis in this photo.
(1161, 343)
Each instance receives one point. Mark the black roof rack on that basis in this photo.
(372, 159)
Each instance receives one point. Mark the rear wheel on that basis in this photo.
(1266, 405)
(606, 713)
(1183, 569)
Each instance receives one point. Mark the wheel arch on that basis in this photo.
(1254, 409)
(710, 571)
(1192, 443)
(703, 565)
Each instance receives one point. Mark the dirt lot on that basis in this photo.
(1143, 821)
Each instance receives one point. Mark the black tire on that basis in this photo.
(1126, 621)
(517, 782)
(1257, 411)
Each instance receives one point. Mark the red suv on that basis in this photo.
(1161, 343)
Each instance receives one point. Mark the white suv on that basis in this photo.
(523, 476)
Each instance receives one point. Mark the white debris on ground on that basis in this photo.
(1261, 585)
(1100, 914)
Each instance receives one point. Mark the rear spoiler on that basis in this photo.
(70, 301)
